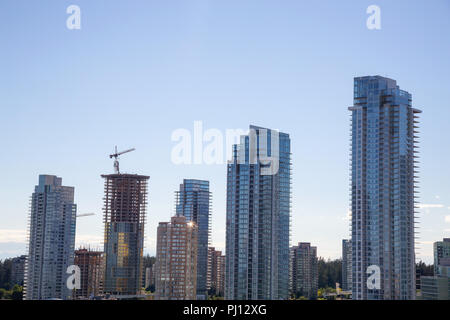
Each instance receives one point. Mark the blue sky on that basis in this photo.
(138, 70)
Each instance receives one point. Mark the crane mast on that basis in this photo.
(116, 158)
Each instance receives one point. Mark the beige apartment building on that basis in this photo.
(176, 260)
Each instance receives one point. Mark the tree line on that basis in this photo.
(330, 272)
(8, 289)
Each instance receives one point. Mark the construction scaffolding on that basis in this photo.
(90, 263)
(125, 208)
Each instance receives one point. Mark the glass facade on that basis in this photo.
(51, 240)
(383, 165)
(193, 201)
(258, 216)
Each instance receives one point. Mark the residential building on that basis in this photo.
(220, 279)
(384, 166)
(216, 272)
(346, 265)
(149, 276)
(51, 240)
(441, 251)
(437, 287)
(176, 260)
(18, 270)
(258, 217)
(305, 273)
(193, 201)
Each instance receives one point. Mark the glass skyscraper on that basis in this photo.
(258, 216)
(193, 201)
(383, 169)
(51, 240)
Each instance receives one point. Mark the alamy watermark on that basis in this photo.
(374, 277)
(374, 20)
(73, 22)
(74, 278)
(207, 147)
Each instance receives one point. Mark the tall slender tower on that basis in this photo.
(51, 240)
(125, 208)
(383, 172)
(193, 201)
(258, 216)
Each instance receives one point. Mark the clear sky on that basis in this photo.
(138, 70)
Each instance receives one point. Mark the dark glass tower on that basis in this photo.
(383, 169)
(258, 216)
(193, 201)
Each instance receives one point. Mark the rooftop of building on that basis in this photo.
(125, 175)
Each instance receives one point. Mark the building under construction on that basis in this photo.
(90, 263)
(125, 205)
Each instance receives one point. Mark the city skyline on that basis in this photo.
(215, 66)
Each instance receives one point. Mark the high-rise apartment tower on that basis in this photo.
(383, 192)
(193, 201)
(51, 240)
(258, 216)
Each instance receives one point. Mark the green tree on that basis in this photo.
(148, 261)
(424, 269)
(330, 272)
(5, 273)
(17, 292)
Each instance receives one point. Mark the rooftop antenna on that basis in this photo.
(116, 158)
